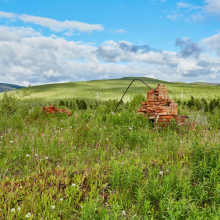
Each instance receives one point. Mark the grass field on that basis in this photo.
(114, 89)
(99, 165)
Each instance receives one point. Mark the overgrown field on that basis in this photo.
(114, 89)
(99, 165)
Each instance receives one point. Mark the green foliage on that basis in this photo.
(81, 104)
(8, 103)
(99, 165)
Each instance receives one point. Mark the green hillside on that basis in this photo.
(114, 89)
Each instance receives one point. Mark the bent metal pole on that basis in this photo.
(127, 90)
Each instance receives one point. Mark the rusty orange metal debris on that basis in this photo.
(51, 109)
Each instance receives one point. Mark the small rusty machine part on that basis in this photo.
(158, 107)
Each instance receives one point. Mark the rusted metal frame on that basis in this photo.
(127, 90)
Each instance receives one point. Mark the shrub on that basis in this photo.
(8, 103)
(81, 104)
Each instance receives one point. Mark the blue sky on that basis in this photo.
(58, 41)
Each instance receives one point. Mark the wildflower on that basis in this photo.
(181, 142)
(123, 213)
(106, 139)
(72, 137)
(73, 184)
(93, 116)
(61, 128)
(58, 165)
(1, 136)
(130, 128)
(53, 207)
(12, 210)
(19, 208)
(46, 158)
(70, 126)
(36, 155)
(161, 173)
(81, 206)
(20, 187)
(27, 155)
(61, 199)
(11, 141)
(28, 215)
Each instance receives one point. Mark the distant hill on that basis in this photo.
(205, 84)
(8, 87)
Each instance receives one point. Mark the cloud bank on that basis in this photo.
(28, 57)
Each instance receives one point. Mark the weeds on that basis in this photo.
(97, 165)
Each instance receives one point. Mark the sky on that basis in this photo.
(57, 41)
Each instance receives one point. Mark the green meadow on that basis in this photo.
(99, 165)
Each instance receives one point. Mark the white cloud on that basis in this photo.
(8, 15)
(212, 6)
(56, 25)
(213, 43)
(150, 76)
(53, 24)
(121, 31)
(189, 6)
(27, 57)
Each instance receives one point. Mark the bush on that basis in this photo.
(8, 103)
(81, 104)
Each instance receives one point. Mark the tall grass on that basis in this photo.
(99, 165)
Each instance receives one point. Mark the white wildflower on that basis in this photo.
(11, 141)
(81, 206)
(61, 128)
(106, 139)
(19, 208)
(1, 136)
(28, 215)
(161, 173)
(36, 155)
(27, 155)
(130, 128)
(123, 213)
(70, 126)
(61, 199)
(12, 210)
(53, 207)
(20, 187)
(73, 184)
(46, 158)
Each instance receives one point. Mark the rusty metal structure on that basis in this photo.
(158, 107)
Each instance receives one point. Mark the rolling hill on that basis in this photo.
(114, 89)
(8, 87)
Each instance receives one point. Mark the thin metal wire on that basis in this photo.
(127, 90)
